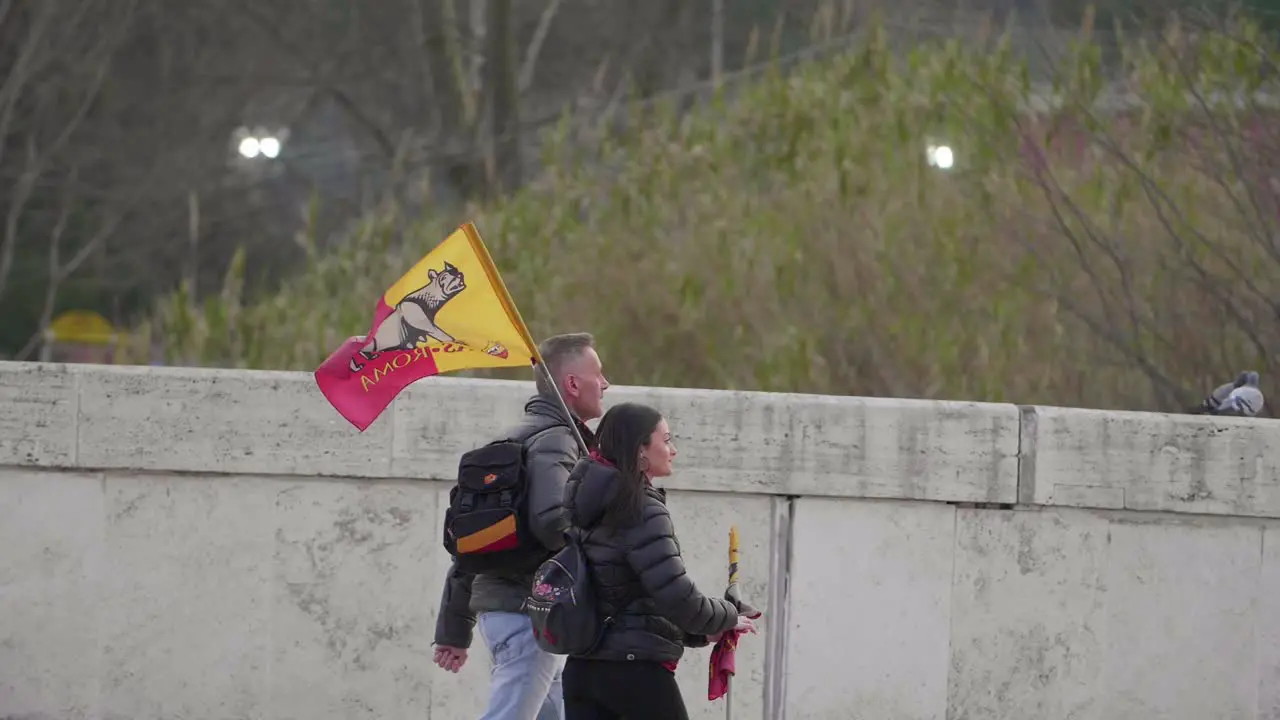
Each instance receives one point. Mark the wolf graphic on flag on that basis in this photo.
(449, 312)
(413, 320)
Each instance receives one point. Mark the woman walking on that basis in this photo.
(652, 608)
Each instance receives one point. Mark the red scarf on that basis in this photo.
(595, 455)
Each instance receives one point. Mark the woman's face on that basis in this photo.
(657, 456)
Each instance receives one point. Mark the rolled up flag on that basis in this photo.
(724, 655)
(450, 312)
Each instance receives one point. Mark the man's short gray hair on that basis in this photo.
(557, 352)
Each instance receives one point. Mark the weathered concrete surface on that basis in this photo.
(51, 549)
(1149, 461)
(38, 414)
(1182, 617)
(243, 596)
(1269, 627)
(215, 596)
(1028, 603)
(270, 423)
(787, 444)
(187, 543)
(261, 422)
(870, 609)
(910, 610)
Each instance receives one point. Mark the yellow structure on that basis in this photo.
(80, 336)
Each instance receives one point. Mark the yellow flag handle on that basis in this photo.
(731, 594)
(733, 554)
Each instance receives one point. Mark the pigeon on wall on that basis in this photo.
(1219, 395)
(1245, 400)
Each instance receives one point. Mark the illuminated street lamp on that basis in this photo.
(259, 143)
(940, 156)
(252, 147)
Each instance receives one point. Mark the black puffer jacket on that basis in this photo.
(639, 576)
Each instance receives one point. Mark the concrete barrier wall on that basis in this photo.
(221, 544)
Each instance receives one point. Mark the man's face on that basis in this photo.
(584, 385)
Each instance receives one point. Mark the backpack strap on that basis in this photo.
(531, 434)
(581, 535)
(506, 498)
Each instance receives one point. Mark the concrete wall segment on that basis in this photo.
(1152, 461)
(277, 423)
(208, 543)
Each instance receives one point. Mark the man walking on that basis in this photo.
(525, 683)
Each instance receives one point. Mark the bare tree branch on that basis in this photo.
(10, 92)
(501, 101)
(535, 44)
(99, 57)
(55, 267)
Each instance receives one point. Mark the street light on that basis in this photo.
(940, 156)
(251, 147)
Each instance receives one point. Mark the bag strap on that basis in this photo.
(581, 535)
(525, 437)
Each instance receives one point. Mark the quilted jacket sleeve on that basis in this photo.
(454, 623)
(654, 554)
(549, 459)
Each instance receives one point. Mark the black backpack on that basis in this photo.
(486, 528)
(562, 602)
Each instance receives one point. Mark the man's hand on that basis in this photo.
(451, 658)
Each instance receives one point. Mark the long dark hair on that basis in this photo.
(623, 431)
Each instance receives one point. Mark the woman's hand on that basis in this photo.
(745, 624)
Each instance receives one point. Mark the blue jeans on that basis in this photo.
(525, 682)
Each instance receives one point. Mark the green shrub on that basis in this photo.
(793, 238)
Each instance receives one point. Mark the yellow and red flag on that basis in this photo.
(450, 312)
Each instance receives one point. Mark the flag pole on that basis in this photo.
(733, 579)
(513, 314)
